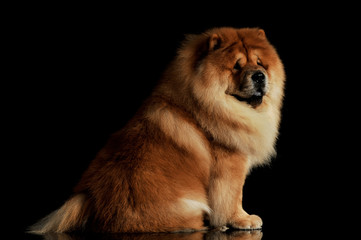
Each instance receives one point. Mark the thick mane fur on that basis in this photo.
(239, 127)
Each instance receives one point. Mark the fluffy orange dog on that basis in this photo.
(186, 153)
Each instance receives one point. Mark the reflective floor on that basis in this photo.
(211, 235)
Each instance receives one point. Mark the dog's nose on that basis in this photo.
(259, 78)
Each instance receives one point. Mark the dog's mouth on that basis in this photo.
(254, 100)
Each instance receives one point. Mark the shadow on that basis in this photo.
(211, 235)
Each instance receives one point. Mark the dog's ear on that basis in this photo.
(199, 46)
(214, 42)
(261, 34)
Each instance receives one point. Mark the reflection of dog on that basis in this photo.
(201, 235)
(187, 152)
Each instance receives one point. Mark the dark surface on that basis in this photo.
(78, 73)
(211, 235)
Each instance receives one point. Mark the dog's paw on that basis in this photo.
(247, 222)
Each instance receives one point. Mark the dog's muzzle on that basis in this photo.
(253, 88)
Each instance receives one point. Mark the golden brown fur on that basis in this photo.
(186, 153)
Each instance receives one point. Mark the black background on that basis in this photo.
(78, 74)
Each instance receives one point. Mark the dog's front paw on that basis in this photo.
(247, 222)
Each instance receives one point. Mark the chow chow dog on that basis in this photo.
(182, 160)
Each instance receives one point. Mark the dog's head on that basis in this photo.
(237, 63)
(231, 81)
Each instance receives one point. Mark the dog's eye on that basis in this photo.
(259, 63)
(237, 67)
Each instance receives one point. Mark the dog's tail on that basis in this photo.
(69, 217)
